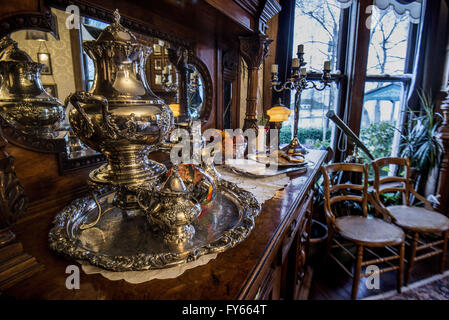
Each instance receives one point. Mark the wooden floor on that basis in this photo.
(330, 282)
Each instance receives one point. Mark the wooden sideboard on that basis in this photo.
(269, 264)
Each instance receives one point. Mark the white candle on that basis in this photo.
(327, 65)
(274, 68)
(295, 63)
(300, 48)
(261, 139)
(303, 71)
(158, 79)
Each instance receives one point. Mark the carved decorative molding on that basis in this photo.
(13, 201)
(263, 10)
(251, 6)
(91, 11)
(15, 264)
(254, 50)
(269, 10)
(45, 21)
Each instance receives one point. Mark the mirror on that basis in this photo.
(162, 75)
(67, 69)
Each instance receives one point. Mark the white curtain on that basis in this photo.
(400, 7)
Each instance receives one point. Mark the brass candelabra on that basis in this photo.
(298, 82)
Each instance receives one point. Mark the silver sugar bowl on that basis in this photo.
(174, 209)
(120, 115)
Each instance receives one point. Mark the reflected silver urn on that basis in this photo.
(120, 115)
(24, 103)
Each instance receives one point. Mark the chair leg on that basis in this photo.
(443, 254)
(401, 267)
(412, 256)
(330, 237)
(357, 270)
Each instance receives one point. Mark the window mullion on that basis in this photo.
(354, 104)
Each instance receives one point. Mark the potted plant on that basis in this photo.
(419, 143)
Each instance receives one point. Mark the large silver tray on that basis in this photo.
(123, 242)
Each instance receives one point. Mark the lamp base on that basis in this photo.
(294, 147)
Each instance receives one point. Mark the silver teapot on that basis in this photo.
(24, 103)
(120, 115)
(177, 204)
(174, 209)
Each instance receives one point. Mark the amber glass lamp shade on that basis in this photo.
(278, 113)
(176, 109)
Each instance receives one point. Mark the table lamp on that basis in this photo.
(278, 114)
(176, 109)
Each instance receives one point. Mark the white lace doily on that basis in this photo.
(262, 188)
(135, 277)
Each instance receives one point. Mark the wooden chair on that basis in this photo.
(364, 232)
(414, 220)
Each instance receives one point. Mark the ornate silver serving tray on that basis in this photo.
(125, 241)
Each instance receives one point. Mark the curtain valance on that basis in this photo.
(411, 7)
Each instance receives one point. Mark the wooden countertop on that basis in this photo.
(229, 276)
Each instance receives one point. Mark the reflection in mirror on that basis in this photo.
(24, 103)
(66, 68)
(58, 76)
(162, 76)
(196, 93)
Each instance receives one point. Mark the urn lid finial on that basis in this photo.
(117, 32)
(117, 16)
(174, 183)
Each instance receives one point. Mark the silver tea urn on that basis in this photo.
(120, 115)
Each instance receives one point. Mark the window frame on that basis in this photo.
(353, 50)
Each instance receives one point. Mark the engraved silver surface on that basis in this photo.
(124, 241)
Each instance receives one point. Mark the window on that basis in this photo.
(317, 27)
(328, 30)
(387, 81)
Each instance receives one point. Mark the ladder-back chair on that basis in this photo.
(364, 232)
(416, 221)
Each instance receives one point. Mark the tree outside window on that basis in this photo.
(318, 25)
